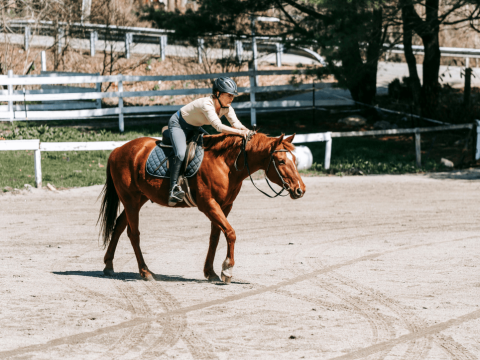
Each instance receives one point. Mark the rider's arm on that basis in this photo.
(233, 120)
(209, 111)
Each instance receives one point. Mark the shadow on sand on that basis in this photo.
(469, 174)
(130, 276)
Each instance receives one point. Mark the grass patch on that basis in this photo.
(354, 156)
(62, 169)
(68, 169)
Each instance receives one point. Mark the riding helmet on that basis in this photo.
(225, 85)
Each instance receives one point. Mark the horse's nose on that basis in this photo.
(299, 192)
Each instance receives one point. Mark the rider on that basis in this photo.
(190, 118)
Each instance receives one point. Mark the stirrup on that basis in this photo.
(176, 195)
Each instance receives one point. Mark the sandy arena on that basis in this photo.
(377, 267)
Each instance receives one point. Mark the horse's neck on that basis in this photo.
(256, 161)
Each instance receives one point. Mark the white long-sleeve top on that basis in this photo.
(202, 112)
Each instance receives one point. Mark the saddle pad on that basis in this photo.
(159, 154)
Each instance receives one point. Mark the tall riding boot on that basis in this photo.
(176, 194)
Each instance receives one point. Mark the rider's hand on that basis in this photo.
(244, 133)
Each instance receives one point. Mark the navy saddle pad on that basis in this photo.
(158, 155)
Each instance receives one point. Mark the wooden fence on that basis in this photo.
(63, 111)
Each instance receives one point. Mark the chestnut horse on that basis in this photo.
(214, 188)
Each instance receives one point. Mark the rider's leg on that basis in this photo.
(179, 142)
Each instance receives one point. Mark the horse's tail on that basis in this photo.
(108, 209)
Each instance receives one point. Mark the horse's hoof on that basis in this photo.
(149, 277)
(108, 271)
(226, 279)
(213, 278)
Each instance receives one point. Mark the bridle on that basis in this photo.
(285, 186)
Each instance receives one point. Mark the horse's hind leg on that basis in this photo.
(132, 213)
(120, 225)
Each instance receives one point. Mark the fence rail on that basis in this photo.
(38, 147)
(34, 111)
(131, 35)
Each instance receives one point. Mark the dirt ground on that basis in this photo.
(377, 267)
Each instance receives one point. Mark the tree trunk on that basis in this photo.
(414, 82)
(431, 68)
(360, 76)
(373, 53)
(431, 61)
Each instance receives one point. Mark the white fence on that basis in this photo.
(444, 51)
(60, 110)
(38, 146)
(138, 35)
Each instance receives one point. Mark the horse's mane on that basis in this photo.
(223, 143)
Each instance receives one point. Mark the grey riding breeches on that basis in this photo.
(180, 130)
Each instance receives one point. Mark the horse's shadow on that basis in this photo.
(131, 276)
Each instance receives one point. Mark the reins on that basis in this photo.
(245, 165)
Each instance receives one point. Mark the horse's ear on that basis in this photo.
(279, 140)
(290, 138)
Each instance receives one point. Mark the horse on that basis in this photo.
(214, 187)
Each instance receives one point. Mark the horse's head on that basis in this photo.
(281, 168)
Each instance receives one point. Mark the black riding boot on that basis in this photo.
(176, 194)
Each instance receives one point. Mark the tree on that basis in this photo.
(455, 13)
(350, 32)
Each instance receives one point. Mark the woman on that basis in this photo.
(204, 111)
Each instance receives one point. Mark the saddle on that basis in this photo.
(159, 159)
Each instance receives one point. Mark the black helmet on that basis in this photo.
(225, 85)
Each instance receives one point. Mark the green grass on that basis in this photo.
(368, 155)
(62, 169)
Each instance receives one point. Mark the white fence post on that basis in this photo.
(254, 50)
(61, 36)
(279, 48)
(418, 154)
(93, 39)
(477, 152)
(38, 168)
(238, 51)
(44, 61)
(128, 42)
(200, 49)
(27, 37)
(10, 92)
(328, 150)
(253, 113)
(121, 125)
(98, 87)
(163, 46)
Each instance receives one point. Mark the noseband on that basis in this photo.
(245, 165)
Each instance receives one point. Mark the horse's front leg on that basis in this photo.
(208, 270)
(218, 218)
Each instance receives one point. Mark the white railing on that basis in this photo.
(33, 112)
(149, 36)
(444, 51)
(38, 147)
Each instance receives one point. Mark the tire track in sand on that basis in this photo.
(431, 330)
(381, 328)
(135, 336)
(173, 327)
(419, 348)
